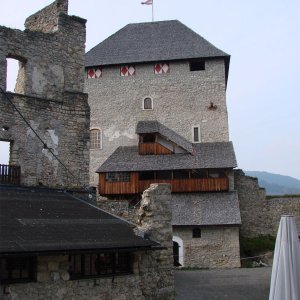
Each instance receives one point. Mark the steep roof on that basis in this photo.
(206, 155)
(156, 127)
(206, 209)
(154, 41)
(43, 221)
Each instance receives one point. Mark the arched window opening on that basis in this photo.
(95, 139)
(15, 77)
(147, 103)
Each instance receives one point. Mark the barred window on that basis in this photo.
(17, 269)
(95, 139)
(99, 264)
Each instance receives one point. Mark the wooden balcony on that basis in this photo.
(136, 186)
(10, 174)
(153, 148)
(190, 185)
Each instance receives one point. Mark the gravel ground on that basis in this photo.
(232, 284)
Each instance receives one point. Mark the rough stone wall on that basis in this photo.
(51, 81)
(46, 19)
(181, 99)
(152, 276)
(63, 125)
(261, 216)
(50, 63)
(154, 217)
(218, 247)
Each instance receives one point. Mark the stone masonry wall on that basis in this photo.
(63, 125)
(50, 63)
(154, 217)
(181, 99)
(261, 216)
(218, 247)
(50, 97)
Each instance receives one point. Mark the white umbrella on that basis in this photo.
(285, 280)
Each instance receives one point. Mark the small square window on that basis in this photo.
(196, 233)
(197, 65)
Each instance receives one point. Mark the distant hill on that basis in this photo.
(276, 184)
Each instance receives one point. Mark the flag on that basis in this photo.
(148, 2)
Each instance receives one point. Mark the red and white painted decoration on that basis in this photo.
(128, 70)
(161, 68)
(94, 72)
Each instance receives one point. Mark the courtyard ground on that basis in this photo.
(231, 284)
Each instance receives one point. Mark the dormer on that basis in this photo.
(157, 139)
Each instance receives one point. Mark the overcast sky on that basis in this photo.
(263, 39)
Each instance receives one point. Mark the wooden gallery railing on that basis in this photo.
(10, 174)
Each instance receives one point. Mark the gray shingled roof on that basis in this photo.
(39, 220)
(149, 42)
(156, 127)
(206, 209)
(206, 155)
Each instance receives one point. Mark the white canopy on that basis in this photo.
(285, 280)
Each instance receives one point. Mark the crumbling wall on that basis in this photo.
(52, 61)
(261, 216)
(154, 217)
(50, 97)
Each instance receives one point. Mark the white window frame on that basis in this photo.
(199, 133)
(143, 103)
(101, 145)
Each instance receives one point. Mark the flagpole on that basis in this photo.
(152, 11)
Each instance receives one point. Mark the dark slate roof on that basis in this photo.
(41, 221)
(156, 127)
(155, 41)
(206, 155)
(206, 209)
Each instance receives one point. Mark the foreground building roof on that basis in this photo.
(154, 41)
(206, 155)
(206, 209)
(42, 221)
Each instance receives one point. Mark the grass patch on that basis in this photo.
(257, 245)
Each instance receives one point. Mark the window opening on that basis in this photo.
(15, 77)
(164, 175)
(149, 138)
(181, 174)
(99, 264)
(198, 174)
(147, 103)
(118, 177)
(4, 153)
(196, 134)
(17, 269)
(147, 175)
(196, 233)
(197, 65)
(95, 139)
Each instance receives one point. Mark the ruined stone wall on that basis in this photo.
(218, 247)
(261, 216)
(63, 125)
(154, 217)
(50, 63)
(181, 99)
(50, 97)
(152, 273)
